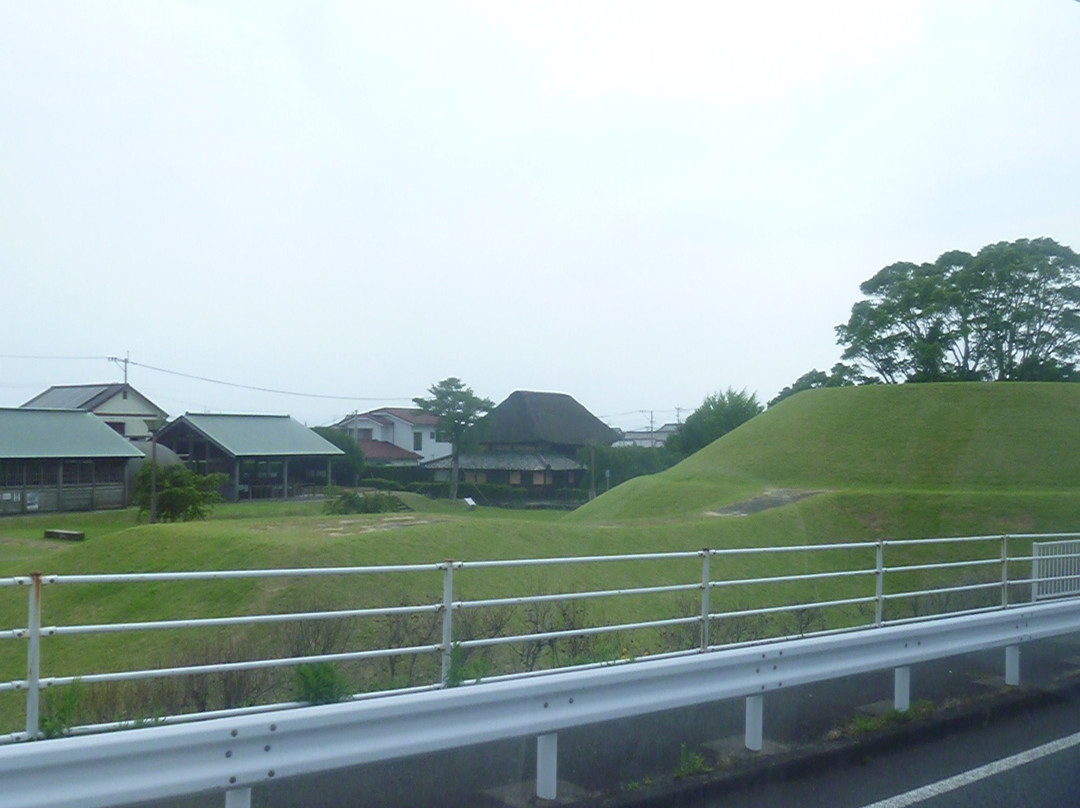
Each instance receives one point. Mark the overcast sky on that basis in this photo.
(637, 204)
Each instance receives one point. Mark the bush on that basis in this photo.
(356, 502)
(182, 495)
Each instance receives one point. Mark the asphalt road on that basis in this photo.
(989, 764)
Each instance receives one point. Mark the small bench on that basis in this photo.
(67, 535)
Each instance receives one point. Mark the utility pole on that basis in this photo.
(124, 362)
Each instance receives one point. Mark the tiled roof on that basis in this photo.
(384, 450)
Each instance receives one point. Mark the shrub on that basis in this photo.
(320, 683)
(182, 495)
(356, 502)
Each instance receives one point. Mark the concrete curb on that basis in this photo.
(809, 758)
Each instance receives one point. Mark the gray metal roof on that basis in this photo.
(255, 435)
(38, 434)
(74, 396)
(83, 396)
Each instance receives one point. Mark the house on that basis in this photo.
(256, 452)
(652, 439)
(60, 460)
(531, 440)
(119, 405)
(395, 436)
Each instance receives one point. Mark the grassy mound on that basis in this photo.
(927, 437)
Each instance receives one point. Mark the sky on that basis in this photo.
(638, 204)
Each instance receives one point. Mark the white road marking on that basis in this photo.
(917, 795)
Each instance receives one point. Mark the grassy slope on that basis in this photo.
(917, 460)
(941, 438)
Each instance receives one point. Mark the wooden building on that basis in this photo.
(60, 460)
(263, 456)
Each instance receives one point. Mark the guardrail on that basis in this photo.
(231, 756)
(688, 603)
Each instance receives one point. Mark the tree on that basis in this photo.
(182, 495)
(457, 409)
(345, 470)
(1010, 312)
(718, 414)
(841, 375)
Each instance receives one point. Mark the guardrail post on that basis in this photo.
(1012, 665)
(447, 620)
(33, 658)
(902, 688)
(755, 715)
(547, 762)
(705, 580)
(1004, 571)
(238, 798)
(879, 583)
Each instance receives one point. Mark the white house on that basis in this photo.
(651, 439)
(409, 429)
(119, 405)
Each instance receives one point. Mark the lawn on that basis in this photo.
(866, 463)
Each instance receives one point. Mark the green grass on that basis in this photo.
(881, 462)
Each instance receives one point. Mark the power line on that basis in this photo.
(38, 358)
(266, 389)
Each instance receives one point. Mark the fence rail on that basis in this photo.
(739, 596)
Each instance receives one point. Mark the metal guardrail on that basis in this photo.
(1055, 569)
(981, 573)
(232, 755)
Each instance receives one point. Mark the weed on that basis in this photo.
(691, 764)
(463, 669)
(320, 683)
(59, 709)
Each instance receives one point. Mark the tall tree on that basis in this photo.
(841, 375)
(458, 409)
(718, 414)
(1010, 312)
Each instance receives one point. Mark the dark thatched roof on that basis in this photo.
(527, 417)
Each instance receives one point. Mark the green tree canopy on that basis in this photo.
(345, 470)
(182, 495)
(841, 375)
(457, 409)
(1010, 312)
(718, 414)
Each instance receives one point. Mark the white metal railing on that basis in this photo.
(1055, 569)
(735, 591)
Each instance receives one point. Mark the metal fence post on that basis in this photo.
(879, 584)
(547, 765)
(238, 798)
(705, 580)
(447, 620)
(1004, 570)
(33, 658)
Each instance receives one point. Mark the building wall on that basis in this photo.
(34, 486)
(400, 433)
(133, 412)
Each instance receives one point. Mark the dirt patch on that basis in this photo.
(357, 527)
(773, 498)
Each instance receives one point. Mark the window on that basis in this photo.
(116, 425)
(364, 434)
(417, 441)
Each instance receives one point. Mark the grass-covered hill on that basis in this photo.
(823, 466)
(930, 439)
